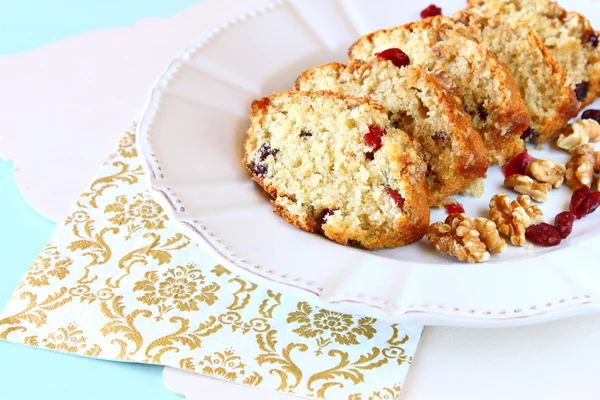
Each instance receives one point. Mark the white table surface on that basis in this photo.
(108, 86)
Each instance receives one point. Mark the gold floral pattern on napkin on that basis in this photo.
(118, 282)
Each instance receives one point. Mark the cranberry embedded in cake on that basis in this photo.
(373, 137)
(396, 56)
(581, 90)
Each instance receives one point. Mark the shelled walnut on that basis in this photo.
(581, 132)
(513, 217)
(546, 171)
(523, 184)
(581, 166)
(467, 239)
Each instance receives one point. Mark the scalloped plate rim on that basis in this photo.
(588, 304)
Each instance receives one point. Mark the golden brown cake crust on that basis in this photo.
(374, 222)
(501, 116)
(566, 34)
(543, 84)
(452, 148)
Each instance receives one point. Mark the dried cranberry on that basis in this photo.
(584, 202)
(257, 169)
(518, 164)
(396, 197)
(593, 40)
(454, 208)
(564, 223)
(591, 114)
(431, 11)
(592, 201)
(578, 202)
(543, 235)
(584, 208)
(266, 151)
(373, 137)
(483, 114)
(530, 134)
(355, 243)
(396, 56)
(322, 218)
(581, 90)
(305, 134)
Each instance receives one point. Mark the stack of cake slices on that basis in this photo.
(358, 152)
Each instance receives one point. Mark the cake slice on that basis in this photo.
(487, 89)
(543, 84)
(416, 101)
(335, 164)
(569, 36)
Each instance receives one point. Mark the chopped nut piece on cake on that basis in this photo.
(580, 168)
(513, 217)
(467, 239)
(581, 132)
(525, 185)
(546, 171)
(443, 78)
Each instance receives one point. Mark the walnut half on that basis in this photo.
(580, 168)
(546, 171)
(467, 239)
(514, 217)
(581, 132)
(523, 184)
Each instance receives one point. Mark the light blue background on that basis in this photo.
(28, 373)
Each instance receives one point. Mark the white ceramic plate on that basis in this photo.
(191, 138)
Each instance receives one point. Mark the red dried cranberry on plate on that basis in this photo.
(579, 205)
(593, 202)
(518, 164)
(564, 223)
(431, 11)
(454, 208)
(543, 235)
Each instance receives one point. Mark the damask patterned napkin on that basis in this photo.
(118, 282)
